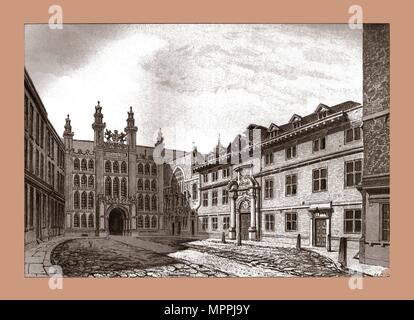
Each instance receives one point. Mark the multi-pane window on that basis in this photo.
(84, 165)
(37, 170)
(214, 176)
(147, 203)
(140, 168)
(154, 203)
(90, 165)
(154, 169)
(268, 189)
(224, 196)
(319, 179)
(291, 152)
(268, 158)
(91, 182)
(90, 200)
(139, 184)
(146, 222)
(76, 200)
(385, 222)
(214, 223)
(226, 223)
(214, 196)
(226, 173)
(269, 222)
(322, 114)
(352, 221)
(147, 169)
(76, 164)
(153, 222)
(84, 199)
(83, 180)
(108, 166)
(296, 124)
(42, 166)
(140, 202)
(76, 220)
(146, 185)
(352, 134)
(115, 167)
(291, 221)
(115, 187)
(319, 144)
(205, 177)
(153, 185)
(205, 199)
(291, 184)
(123, 167)
(353, 172)
(90, 221)
(204, 224)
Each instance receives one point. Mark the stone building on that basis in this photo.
(44, 178)
(273, 183)
(375, 188)
(114, 186)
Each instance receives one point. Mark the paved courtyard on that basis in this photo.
(118, 256)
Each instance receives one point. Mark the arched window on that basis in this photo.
(84, 165)
(139, 184)
(177, 181)
(153, 185)
(83, 221)
(146, 222)
(84, 180)
(115, 191)
(108, 186)
(90, 220)
(84, 198)
(91, 182)
(90, 165)
(153, 222)
(76, 220)
(76, 200)
(123, 167)
(154, 203)
(116, 167)
(91, 200)
(154, 169)
(140, 168)
(146, 185)
(140, 202)
(140, 222)
(76, 164)
(123, 187)
(147, 168)
(107, 166)
(195, 193)
(147, 203)
(76, 180)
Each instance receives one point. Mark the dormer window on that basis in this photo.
(296, 121)
(322, 114)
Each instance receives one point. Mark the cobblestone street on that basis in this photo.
(165, 257)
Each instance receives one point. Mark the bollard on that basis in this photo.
(298, 242)
(223, 237)
(342, 251)
(328, 243)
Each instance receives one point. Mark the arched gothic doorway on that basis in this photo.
(116, 222)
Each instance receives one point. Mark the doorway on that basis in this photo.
(116, 222)
(320, 232)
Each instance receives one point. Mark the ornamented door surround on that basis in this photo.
(243, 189)
(322, 212)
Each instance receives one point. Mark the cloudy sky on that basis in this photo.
(193, 81)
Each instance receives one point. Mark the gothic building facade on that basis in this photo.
(44, 163)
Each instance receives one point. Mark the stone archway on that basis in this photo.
(116, 221)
